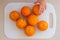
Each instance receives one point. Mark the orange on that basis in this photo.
(14, 15)
(26, 11)
(36, 10)
(21, 23)
(29, 30)
(32, 20)
(42, 25)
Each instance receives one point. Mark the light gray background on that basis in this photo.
(3, 3)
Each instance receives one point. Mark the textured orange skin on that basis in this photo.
(14, 15)
(32, 20)
(26, 11)
(29, 30)
(21, 23)
(36, 10)
(42, 25)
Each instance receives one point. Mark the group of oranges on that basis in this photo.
(30, 21)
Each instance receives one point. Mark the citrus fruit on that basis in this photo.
(14, 15)
(36, 10)
(25, 11)
(32, 19)
(42, 25)
(29, 30)
(21, 23)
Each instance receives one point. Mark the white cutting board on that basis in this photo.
(11, 31)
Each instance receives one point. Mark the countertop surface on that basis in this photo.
(3, 3)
